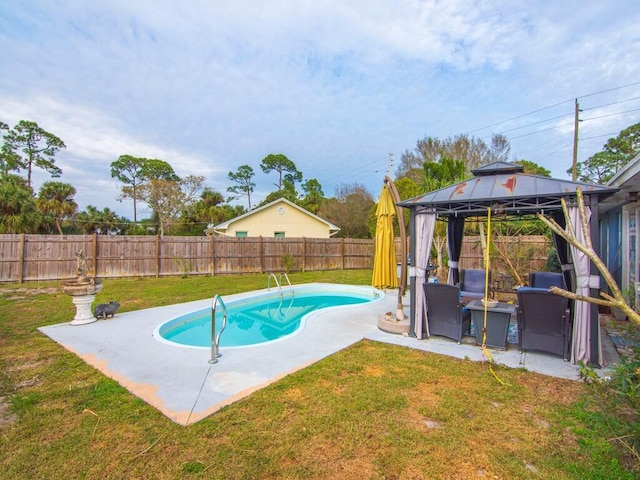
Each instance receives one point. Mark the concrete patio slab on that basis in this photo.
(182, 384)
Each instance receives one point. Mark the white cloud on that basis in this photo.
(336, 86)
(92, 142)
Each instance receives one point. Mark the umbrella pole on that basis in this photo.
(403, 247)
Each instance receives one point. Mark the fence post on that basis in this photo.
(157, 255)
(261, 249)
(342, 253)
(21, 259)
(304, 254)
(212, 267)
(94, 253)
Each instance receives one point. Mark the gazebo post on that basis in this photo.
(595, 357)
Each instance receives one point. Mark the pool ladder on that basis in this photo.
(278, 281)
(215, 339)
(280, 313)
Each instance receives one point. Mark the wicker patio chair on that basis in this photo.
(544, 323)
(445, 315)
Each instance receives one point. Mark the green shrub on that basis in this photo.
(288, 262)
(614, 402)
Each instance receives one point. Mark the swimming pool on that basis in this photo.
(262, 317)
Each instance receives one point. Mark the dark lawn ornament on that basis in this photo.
(105, 310)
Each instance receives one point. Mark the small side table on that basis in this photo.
(498, 319)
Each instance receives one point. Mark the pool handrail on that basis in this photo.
(284, 274)
(275, 279)
(278, 281)
(215, 339)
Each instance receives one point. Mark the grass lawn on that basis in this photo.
(371, 411)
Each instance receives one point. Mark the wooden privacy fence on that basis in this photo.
(523, 253)
(531, 250)
(52, 257)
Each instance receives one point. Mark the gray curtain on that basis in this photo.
(581, 340)
(455, 232)
(425, 225)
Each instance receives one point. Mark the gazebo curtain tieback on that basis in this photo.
(566, 267)
(588, 281)
(417, 272)
(453, 264)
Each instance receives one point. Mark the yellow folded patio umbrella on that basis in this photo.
(384, 261)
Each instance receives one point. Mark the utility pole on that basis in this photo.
(574, 172)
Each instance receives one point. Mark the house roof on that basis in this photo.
(627, 180)
(225, 225)
(505, 186)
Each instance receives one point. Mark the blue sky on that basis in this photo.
(336, 86)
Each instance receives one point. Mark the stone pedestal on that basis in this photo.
(83, 309)
(83, 293)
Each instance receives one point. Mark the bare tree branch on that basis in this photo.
(568, 233)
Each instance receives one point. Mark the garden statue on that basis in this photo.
(83, 289)
(105, 310)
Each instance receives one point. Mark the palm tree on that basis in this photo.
(18, 212)
(103, 221)
(56, 199)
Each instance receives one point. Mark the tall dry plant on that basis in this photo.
(515, 254)
(618, 299)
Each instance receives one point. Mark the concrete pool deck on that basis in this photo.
(182, 384)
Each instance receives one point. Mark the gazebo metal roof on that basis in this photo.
(507, 189)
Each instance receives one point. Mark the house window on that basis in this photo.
(278, 234)
(241, 234)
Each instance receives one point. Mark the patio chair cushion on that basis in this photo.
(546, 279)
(472, 283)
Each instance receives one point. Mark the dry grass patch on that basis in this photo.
(374, 370)
(7, 417)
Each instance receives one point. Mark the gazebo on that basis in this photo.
(504, 188)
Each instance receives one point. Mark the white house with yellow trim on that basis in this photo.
(280, 218)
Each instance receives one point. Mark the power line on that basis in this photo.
(536, 123)
(376, 167)
(609, 90)
(379, 166)
(598, 136)
(609, 104)
(520, 116)
(568, 124)
(556, 105)
(543, 130)
(612, 114)
(360, 174)
(545, 147)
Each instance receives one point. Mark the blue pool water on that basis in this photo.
(259, 319)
